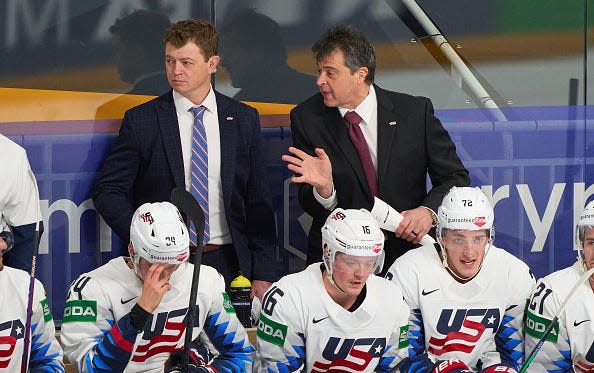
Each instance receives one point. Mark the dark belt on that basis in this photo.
(206, 248)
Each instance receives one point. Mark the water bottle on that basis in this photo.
(239, 292)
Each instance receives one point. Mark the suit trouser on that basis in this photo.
(223, 260)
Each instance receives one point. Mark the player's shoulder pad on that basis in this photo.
(410, 261)
(388, 290)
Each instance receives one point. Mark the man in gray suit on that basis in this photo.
(354, 141)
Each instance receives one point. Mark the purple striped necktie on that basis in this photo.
(199, 170)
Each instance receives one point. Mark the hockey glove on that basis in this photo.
(196, 363)
(7, 236)
(451, 366)
(499, 369)
(417, 364)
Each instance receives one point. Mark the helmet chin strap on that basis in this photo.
(135, 260)
(331, 279)
(330, 275)
(453, 273)
(581, 257)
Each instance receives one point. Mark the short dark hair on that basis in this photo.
(144, 28)
(256, 31)
(357, 49)
(198, 31)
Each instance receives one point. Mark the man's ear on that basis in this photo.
(363, 72)
(213, 62)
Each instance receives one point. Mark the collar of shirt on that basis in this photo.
(183, 105)
(366, 108)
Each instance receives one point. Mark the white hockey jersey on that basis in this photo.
(300, 325)
(98, 337)
(45, 352)
(19, 204)
(570, 346)
(478, 322)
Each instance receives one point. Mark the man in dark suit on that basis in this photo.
(153, 154)
(400, 142)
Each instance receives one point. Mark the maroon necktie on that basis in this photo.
(360, 144)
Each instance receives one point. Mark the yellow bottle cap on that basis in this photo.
(240, 282)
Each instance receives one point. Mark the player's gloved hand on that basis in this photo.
(499, 369)
(6, 237)
(451, 366)
(199, 352)
(417, 364)
(196, 363)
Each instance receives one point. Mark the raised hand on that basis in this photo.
(313, 170)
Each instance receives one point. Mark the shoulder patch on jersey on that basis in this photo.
(536, 325)
(47, 312)
(227, 303)
(80, 311)
(271, 331)
(403, 338)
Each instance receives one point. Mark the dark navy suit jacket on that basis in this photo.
(146, 163)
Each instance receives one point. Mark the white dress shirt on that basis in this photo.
(367, 110)
(219, 230)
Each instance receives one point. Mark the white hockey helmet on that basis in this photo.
(159, 235)
(352, 232)
(586, 220)
(467, 209)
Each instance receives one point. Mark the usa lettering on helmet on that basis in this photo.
(147, 218)
(339, 215)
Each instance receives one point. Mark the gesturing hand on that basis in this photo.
(315, 171)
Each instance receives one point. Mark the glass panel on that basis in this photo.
(590, 55)
(519, 59)
(95, 46)
(50, 51)
(532, 151)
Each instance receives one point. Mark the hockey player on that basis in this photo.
(128, 315)
(19, 202)
(570, 346)
(335, 315)
(45, 354)
(467, 297)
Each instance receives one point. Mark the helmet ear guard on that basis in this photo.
(158, 234)
(351, 232)
(586, 220)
